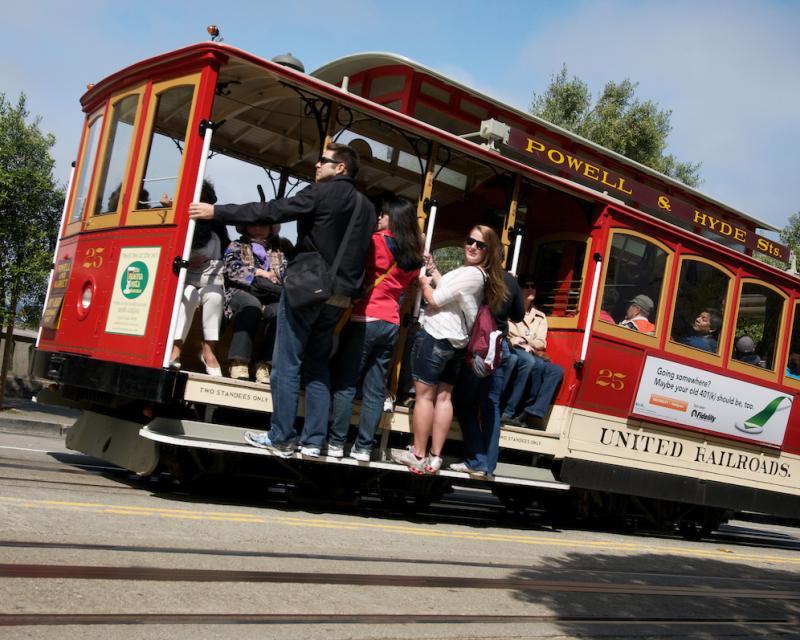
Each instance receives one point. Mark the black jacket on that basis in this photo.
(322, 211)
(512, 306)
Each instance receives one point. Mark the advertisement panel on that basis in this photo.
(687, 396)
(133, 291)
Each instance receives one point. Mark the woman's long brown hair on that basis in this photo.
(495, 289)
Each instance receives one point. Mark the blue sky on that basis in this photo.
(726, 69)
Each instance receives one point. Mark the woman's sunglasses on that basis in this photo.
(470, 241)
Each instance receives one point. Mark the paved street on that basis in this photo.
(89, 551)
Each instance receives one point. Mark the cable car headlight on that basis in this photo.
(86, 296)
(85, 300)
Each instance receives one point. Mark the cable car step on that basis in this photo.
(217, 437)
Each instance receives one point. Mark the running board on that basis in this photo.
(217, 437)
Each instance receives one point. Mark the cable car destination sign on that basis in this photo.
(634, 193)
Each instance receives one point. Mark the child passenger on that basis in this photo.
(368, 340)
(438, 351)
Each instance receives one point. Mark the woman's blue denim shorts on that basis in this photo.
(435, 360)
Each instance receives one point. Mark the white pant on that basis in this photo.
(210, 298)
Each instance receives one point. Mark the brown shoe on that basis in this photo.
(240, 371)
(262, 373)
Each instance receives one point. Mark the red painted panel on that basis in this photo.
(95, 260)
(791, 443)
(609, 377)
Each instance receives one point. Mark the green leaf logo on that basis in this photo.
(756, 423)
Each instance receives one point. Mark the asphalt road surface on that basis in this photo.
(90, 551)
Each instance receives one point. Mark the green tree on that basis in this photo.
(618, 120)
(30, 203)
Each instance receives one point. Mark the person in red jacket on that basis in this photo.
(369, 338)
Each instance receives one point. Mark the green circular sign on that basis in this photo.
(134, 280)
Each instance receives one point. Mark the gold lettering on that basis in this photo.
(590, 171)
(534, 145)
(762, 245)
(725, 229)
(574, 163)
(552, 153)
(740, 235)
(700, 218)
(605, 181)
(621, 187)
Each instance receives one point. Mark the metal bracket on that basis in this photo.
(179, 263)
(208, 124)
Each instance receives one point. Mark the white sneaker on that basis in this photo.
(335, 452)
(240, 372)
(262, 373)
(310, 452)
(432, 464)
(409, 458)
(361, 455)
(461, 467)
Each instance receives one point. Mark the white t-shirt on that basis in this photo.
(457, 297)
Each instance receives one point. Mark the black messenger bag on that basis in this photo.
(309, 280)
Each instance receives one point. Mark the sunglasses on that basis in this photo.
(324, 160)
(470, 241)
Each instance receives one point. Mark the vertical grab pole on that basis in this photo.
(208, 127)
(428, 239)
(598, 264)
(517, 248)
(58, 244)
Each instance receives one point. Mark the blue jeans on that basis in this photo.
(471, 395)
(303, 342)
(365, 350)
(534, 384)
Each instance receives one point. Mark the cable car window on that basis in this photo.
(558, 272)
(793, 360)
(116, 155)
(89, 155)
(699, 305)
(165, 148)
(632, 290)
(757, 325)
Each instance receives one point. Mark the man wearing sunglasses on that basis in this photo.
(304, 336)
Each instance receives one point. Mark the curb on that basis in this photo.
(34, 427)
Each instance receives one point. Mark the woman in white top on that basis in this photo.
(204, 286)
(439, 347)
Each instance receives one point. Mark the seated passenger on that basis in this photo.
(745, 351)
(639, 308)
(793, 366)
(534, 379)
(704, 331)
(253, 277)
(204, 288)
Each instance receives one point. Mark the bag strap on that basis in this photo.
(483, 299)
(345, 318)
(351, 223)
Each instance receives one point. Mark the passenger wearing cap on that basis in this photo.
(636, 317)
(745, 351)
